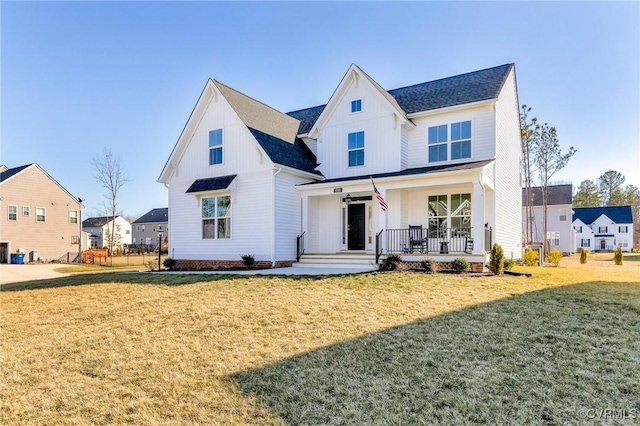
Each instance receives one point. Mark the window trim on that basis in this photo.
(215, 147)
(600, 231)
(356, 103)
(561, 215)
(26, 209)
(626, 229)
(15, 213)
(72, 217)
(350, 150)
(449, 142)
(44, 214)
(215, 218)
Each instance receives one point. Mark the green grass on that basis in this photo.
(381, 348)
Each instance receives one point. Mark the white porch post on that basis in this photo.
(305, 213)
(477, 218)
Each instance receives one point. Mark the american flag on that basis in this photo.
(383, 204)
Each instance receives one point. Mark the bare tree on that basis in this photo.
(108, 172)
(529, 132)
(549, 159)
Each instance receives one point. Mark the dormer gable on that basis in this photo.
(354, 78)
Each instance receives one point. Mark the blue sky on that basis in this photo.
(78, 77)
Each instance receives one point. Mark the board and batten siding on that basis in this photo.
(251, 194)
(288, 214)
(507, 230)
(482, 135)
(382, 150)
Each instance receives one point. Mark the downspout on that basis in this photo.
(273, 221)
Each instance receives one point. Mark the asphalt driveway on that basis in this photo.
(12, 273)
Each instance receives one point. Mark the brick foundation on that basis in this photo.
(221, 265)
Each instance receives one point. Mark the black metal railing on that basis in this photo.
(379, 245)
(299, 246)
(423, 240)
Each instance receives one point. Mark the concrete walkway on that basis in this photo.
(293, 270)
(12, 273)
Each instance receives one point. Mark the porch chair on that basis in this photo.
(416, 238)
(468, 245)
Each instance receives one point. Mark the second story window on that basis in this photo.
(623, 229)
(602, 229)
(356, 106)
(26, 211)
(73, 216)
(40, 214)
(12, 212)
(563, 215)
(578, 229)
(356, 149)
(461, 140)
(215, 147)
(438, 143)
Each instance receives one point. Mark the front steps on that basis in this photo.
(336, 260)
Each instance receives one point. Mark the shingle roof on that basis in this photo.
(11, 172)
(457, 90)
(618, 214)
(96, 222)
(153, 216)
(556, 195)
(409, 172)
(211, 184)
(296, 155)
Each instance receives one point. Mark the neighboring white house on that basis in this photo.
(559, 210)
(245, 178)
(603, 228)
(99, 229)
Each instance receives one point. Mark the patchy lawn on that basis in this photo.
(384, 348)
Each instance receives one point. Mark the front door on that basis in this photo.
(603, 244)
(355, 227)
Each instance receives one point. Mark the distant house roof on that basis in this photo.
(211, 184)
(410, 172)
(457, 90)
(153, 216)
(618, 214)
(97, 222)
(7, 173)
(556, 195)
(296, 155)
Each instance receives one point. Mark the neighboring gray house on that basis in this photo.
(146, 228)
(559, 210)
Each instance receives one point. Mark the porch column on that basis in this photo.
(305, 213)
(477, 218)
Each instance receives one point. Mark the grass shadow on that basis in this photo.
(535, 358)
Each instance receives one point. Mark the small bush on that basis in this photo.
(390, 263)
(531, 257)
(617, 256)
(555, 256)
(583, 255)
(496, 259)
(169, 263)
(460, 265)
(508, 264)
(248, 260)
(429, 264)
(151, 264)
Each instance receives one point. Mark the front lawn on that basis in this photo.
(384, 348)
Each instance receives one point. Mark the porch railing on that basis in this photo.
(299, 246)
(379, 245)
(423, 240)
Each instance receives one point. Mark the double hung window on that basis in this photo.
(215, 147)
(356, 149)
(449, 141)
(216, 217)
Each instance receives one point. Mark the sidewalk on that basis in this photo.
(12, 273)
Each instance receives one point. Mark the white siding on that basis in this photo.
(382, 135)
(251, 191)
(404, 149)
(554, 224)
(507, 229)
(288, 211)
(482, 129)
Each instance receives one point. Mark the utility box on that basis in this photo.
(33, 256)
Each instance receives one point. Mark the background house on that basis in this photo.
(246, 179)
(603, 228)
(38, 216)
(559, 210)
(146, 228)
(99, 229)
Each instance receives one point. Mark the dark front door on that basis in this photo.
(603, 244)
(355, 227)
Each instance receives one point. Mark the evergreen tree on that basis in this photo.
(587, 195)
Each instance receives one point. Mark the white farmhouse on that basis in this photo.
(444, 155)
(559, 209)
(603, 228)
(99, 230)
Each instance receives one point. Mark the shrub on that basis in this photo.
(508, 264)
(429, 264)
(496, 259)
(555, 256)
(151, 264)
(248, 260)
(531, 257)
(460, 265)
(390, 263)
(169, 263)
(617, 256)
(583, 255)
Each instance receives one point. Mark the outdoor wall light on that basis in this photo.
(347, 199)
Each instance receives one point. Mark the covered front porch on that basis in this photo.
(441, 213)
